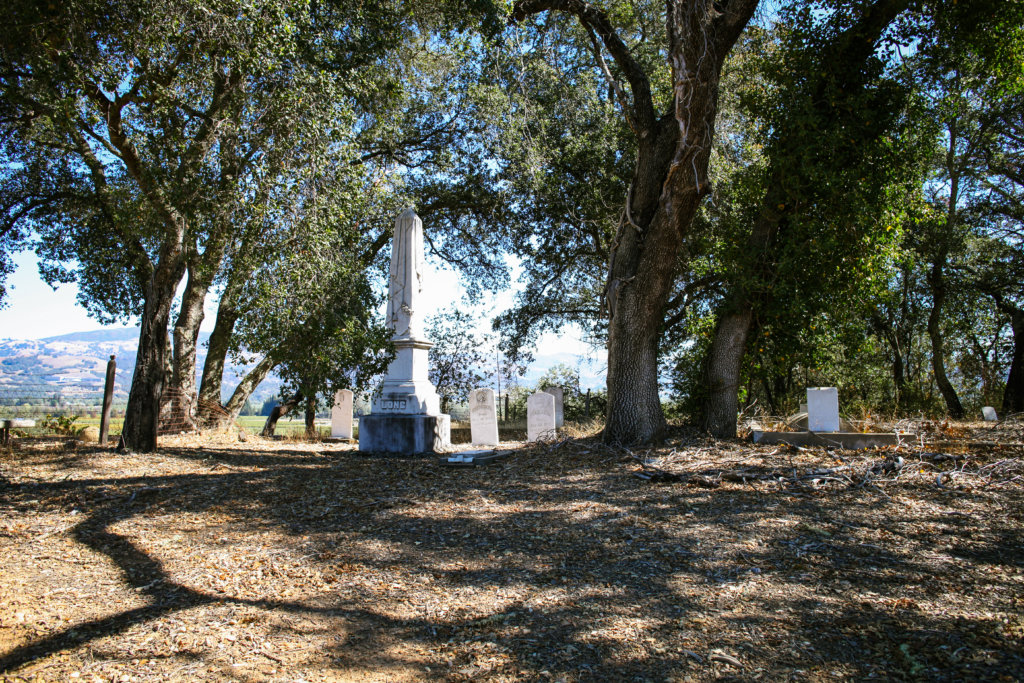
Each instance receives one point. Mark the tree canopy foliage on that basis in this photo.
(736, 205)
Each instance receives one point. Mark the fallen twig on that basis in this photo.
(728, 659)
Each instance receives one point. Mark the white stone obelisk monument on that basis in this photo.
(406, 416)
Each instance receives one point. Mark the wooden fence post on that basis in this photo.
(108, 399)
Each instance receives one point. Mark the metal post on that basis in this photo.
(588, 404)
(108, 398)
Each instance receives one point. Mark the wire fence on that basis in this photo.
(180, 414)
(67, 408)
(38, 406)
(34, 400)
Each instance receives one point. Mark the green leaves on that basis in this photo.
(459, 356)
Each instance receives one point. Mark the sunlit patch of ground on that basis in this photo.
(269, 560)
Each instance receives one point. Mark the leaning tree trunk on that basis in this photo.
(280, 411)
(1013, 394)
(211, 387)
(723, 364)
(897, 365)
(937, 280)
(186, 340)
(936, 283)
(723, 369)
(244, 390)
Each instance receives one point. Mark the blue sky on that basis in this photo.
(35, 310)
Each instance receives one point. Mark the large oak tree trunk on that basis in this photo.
(669, 181)
(634, 412)
(639, 285)
(142, 415)
(1013, 394)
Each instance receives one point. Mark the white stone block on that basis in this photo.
(559, 395)
(540, 417)
(483, 417)
(989, 413)
(341, 415)
(823, 409)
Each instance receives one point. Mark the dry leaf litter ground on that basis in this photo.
(216, 559)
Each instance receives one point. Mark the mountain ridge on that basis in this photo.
(76, 363)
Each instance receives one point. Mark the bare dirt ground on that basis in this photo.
(282, 561)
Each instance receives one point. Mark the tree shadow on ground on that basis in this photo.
(610, 578)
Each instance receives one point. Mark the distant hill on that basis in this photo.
(592, 373)
(76, 364)
(124, 334)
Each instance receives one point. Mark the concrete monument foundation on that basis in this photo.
(404, 434)
(823, 426)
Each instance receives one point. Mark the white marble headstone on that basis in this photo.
(341, 415)
(559, 395)
(823, 409)
(989, 413)
(483, 417)
(540, 417)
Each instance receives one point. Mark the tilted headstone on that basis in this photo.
(823, 409)
(483, 417)
(989, 413)
(559, 395)
(540, 416)
(341, 415)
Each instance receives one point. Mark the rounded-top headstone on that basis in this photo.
(483, 417)
(341, 415)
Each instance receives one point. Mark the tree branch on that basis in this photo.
(594, 19)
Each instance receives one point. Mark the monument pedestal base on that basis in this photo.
(405, 434)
